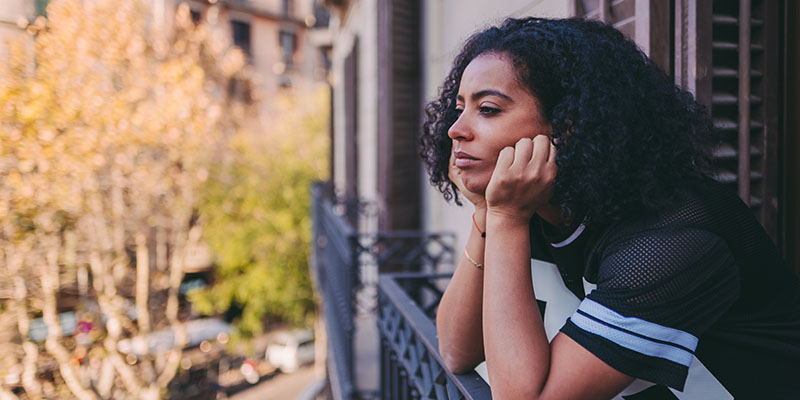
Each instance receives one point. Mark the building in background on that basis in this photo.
(287, 41)
(15, 16)
(283, 39)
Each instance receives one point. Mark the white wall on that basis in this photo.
(446, 25)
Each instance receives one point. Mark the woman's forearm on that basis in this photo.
(516, 345)
(458, 321)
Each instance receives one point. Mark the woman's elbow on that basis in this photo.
(459, 364)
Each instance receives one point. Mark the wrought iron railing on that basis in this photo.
(333, 268)
(348, 253)
(411, 367)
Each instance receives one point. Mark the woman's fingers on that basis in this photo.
(522, 178)
(505, 159)
(541, 150)
(523, 151)
(552, 156)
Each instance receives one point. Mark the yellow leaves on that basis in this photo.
(107, 94)
(233, 61)
(183, 17)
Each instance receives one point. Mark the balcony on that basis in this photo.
(380, 291)
(411, 367)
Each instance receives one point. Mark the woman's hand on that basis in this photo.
(454, 173)
(522, 180)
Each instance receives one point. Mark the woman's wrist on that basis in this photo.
(506, 217)
(480, 207)
(479, 220)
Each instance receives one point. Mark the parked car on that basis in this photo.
(198, 331)
(291, 349)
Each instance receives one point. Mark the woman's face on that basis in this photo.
(495, 111)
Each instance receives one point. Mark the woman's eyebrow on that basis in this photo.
(487, 92)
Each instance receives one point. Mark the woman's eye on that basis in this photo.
(459, 110)
(489, 110)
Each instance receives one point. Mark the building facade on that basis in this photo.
(286, 41)
(15, 16)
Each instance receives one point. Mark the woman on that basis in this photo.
(575, 149)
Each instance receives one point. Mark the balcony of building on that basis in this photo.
(380, 291)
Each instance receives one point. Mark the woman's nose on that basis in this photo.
(459, 130)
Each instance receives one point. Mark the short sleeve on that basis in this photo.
(657, 292)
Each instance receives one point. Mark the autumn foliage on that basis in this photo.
(118, 141)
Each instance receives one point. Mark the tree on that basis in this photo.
(107, 135)
(257, 213)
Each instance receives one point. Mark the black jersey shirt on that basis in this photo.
(693, 301)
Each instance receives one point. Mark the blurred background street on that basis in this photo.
(155, 164)
(279, 387)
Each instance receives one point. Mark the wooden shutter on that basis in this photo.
(744, 102)
(647, 22)
(399, 99)
(731, 61)
(620, 13)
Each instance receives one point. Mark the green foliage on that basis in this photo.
(258, 224)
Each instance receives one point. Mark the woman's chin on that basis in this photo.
(475, 186)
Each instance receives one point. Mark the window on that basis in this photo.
(241, 35)
(322, 15)
(287, 7)
(288, 43)
(196, 16)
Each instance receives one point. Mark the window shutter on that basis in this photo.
(399, 117)
(647, 22)
(731, 67)
(744, 102)
(620, 13)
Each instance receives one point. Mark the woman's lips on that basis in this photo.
(464, 159)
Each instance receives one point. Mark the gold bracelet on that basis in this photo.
(475, 263)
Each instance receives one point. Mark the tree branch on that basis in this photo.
(142, 284)
(49, 277)
(14, 260)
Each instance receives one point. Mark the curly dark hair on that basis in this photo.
(627, 137)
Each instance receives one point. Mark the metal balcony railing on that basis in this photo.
(411, 367)
(348, 252)
(333, 268)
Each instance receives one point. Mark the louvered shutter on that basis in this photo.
(647, 22)
(744, 102)
(701, 49)
(399, 88)
(620, 13)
